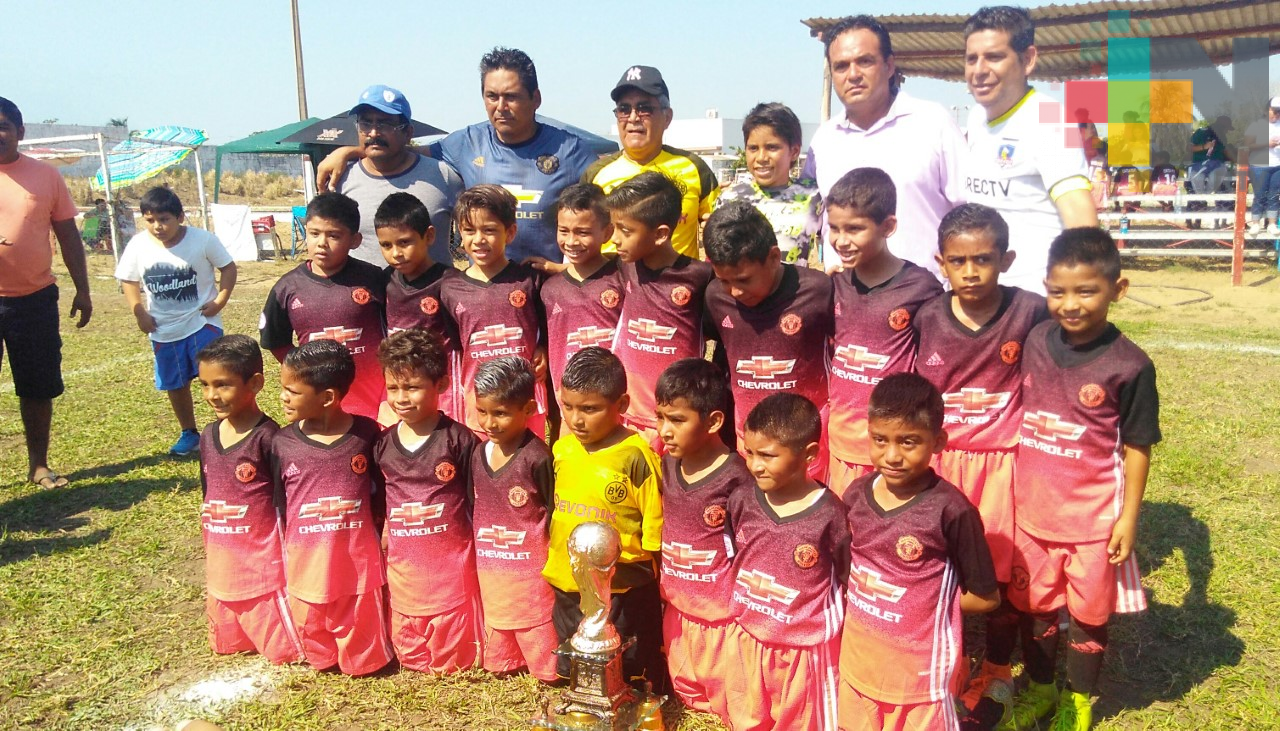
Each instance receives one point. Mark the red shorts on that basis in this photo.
(350, 632)
(986, 478)
(780, 686)
(842, 474)
(860, 713)
(442, 643)
(1048, 575)
(261, 625)
(700, 657)
(508, 650)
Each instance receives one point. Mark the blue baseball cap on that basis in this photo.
(384, 99)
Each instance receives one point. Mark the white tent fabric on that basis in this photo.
(232, 226)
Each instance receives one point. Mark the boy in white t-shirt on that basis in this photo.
(173, 265)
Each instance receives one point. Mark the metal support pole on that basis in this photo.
(308, 174)
(106, 184)
(1237, 244)
(204, 204)
(826, 88)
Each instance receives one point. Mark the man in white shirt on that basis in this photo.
(1263, 140)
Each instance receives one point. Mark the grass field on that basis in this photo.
(101, 600)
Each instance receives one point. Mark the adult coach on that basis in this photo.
(1033, 172)
(916, 142)
(642, 106)
(33, 200)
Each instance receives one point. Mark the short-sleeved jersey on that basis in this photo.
(580, 314)
(176, 281)
(1080, 407)
(697, 552)
(979, 372)
(325, 493)
(693, 176)
(873, 339)
(908, 566)
(620, 485)
(789, 572)
(661, 322)
(430, 565)
(780, 344)
(244, 557)
(793, 210)
(32, 196)
(347, 307)
(416, 303)
(512, 505)
(1164, 179)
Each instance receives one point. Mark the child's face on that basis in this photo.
(769, 157)
(503, 421)
(972, 264)
(413, 396)
(590, 416)
(1079, 297)
(406, 250)
(777, 467)
(635, 240)
(901, 451)
(580, 234)
(300, 400)
(749, 282)
(226, 392)
(484, 238)
(165, 226)
(328, 244)
(857, 239)
(683, 430)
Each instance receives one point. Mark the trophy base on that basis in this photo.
(641, 713)
(598, 699)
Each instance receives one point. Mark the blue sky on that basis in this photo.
(227, 66)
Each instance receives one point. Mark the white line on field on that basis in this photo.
(1242, 348)
(7, 386)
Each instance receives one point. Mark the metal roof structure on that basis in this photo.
(1071, 39)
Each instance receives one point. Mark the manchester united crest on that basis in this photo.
(429, 305)
(359, 464)
(547, 164)
(518, 497)
(681, 295)
(909, 548)
(713, 516)
(245, 472)
(1010, 352)
(899, 319)
(790, 323)
(1092, 395)
(806, 556)
(445, 471)
(360, 296)
(517, 298)
(610, 298)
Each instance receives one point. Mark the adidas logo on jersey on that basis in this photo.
(296, 304)
(934, 360)
(726, 322)
(292, 470)
(460, 309)
(556, 309)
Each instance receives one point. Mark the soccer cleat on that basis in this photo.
(188, 443)
(1030, 706)
(992, 681)
(1075, 712)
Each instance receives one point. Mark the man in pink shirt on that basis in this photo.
(915, 141)
(33, 200)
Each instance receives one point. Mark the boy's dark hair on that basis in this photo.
(584, 197)
(160, 200)
(863, 22)
(508, 379)
(322, 365)
(1087, 245)
(969, 218)
(700, 382)
(777, 117)
(869, 192)
(787, 418)
(239, 354)
(1012, 20)
(909, 398)
(402, 210)
(415, 350)
(510, 59)
(495, 199)
(595, 370)
(11, 112)
(336, 207)
(650, 197)
(737, 231)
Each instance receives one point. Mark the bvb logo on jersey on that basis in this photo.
(615, 492)
(1010, 352)
(547, 164)
(909, 548)
(360, 296)
(1092, 395)
(899, 319)
(517, 298)
(790, 323)
(609, 298)
(681, 296)
(429, 305)
(445, 471)
(713, 516)
(359, 464)
(245, 472)
(806, 556)
(518, 497)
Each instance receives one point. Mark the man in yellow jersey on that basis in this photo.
(643, 110)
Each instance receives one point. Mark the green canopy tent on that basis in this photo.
(269, 142)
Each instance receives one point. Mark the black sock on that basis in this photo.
(1086, 646)
(1040, 645)
(1002, 631)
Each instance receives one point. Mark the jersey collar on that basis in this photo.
(1012, 110)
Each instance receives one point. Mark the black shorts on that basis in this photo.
(29, 332)
(636, 613)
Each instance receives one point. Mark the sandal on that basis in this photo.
(50, 481)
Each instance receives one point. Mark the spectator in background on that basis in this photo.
(1209, 158)
(1263, 140)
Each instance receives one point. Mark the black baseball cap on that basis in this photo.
(642, 78)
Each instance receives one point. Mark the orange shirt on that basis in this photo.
(32, 196)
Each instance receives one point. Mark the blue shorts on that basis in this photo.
(176, 362)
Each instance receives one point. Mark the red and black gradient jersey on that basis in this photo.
(580, 314)
(789, 573)
(325, 494)
(908, 565)
(979, 372)
(661, 322)
(244, 557)
(697, 552)
(781, 344)
(347, 307)
(416, 303)
(873, 339)
(1081, 405)
(512, 519)
(430, 565)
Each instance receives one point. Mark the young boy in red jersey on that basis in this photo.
(425, 461)
(1090, 418)
(330, 500)
(662, 309)
(792, 560)
(606, 472)
(512, 478)
(699, 474)
(773, 320)
(876, 298)
(494, 304)
(971, 341)
(246, 605)
(332, 297)
(918, 559)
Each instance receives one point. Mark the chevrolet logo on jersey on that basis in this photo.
(339, 333)
(532, 197)
(409, 514)
(763, 587)
(685, 556)
(1049, 427)
(329, 508)
(764, 367)
(867, 582)
(217, 511)
(975, 400)
(858, 358)
(589, 335)
(495, 335)
(649, 331)
(500, 537)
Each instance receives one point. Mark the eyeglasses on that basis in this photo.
(366, 127)
(643, 111)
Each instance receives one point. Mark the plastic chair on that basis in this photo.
(299, 230)
(266, 226)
